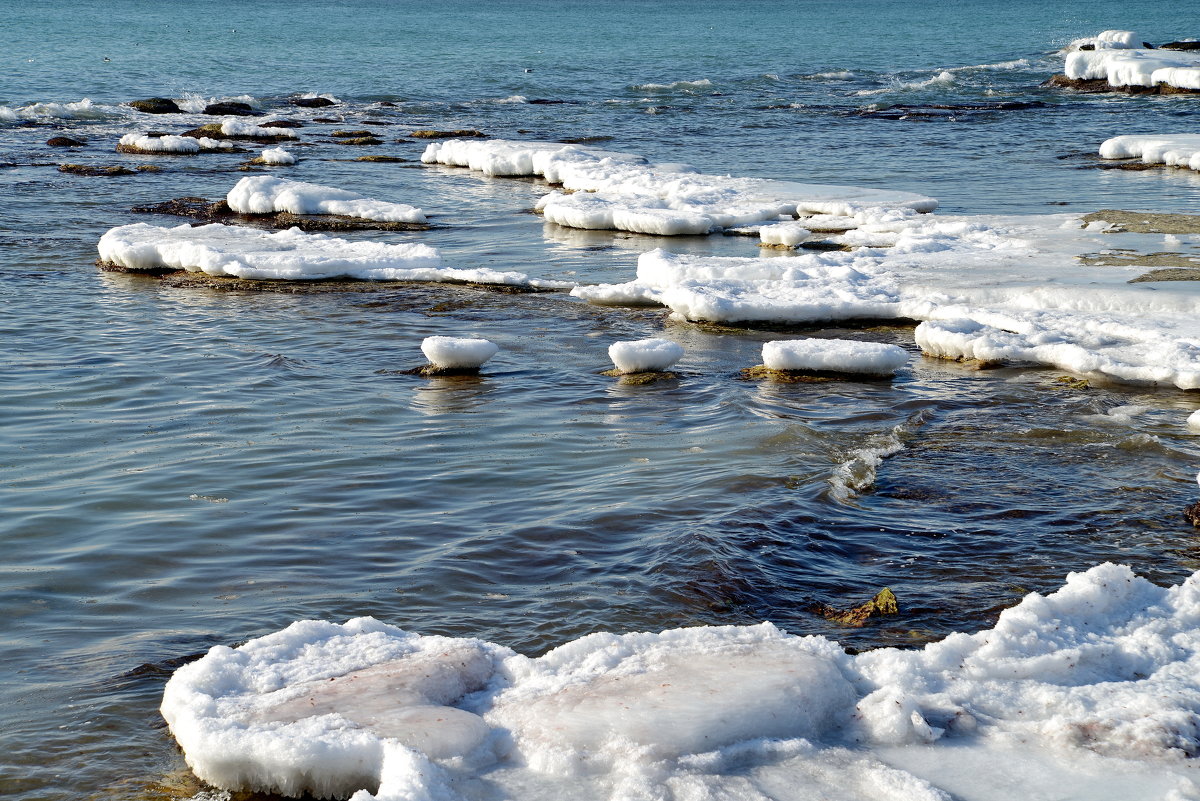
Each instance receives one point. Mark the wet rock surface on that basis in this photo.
(64, 141)
(230, 109)
(207, 211)
(156, 105)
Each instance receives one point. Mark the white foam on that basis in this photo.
(267, 194)
(1172, 150)
(835, 355)
(83, 109)
(451, 353)
(1094, 688)
(644, 355)
(605, 190)
(195, 103)
(277, 156)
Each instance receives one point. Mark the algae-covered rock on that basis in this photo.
(351, 134)
(198, 208)
(360, 140)
(465, 133)
(311, 102)
(382, 159)
(90, 170)
(156, 105)
(884, 603)
(639, 379)
(230, 108)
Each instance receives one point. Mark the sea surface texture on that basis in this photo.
(188, 467)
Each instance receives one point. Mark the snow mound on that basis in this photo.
(174, 144)
(784, 234)
(834, 355)
(1125, 67)
(1094, 687)
(266, 194)
(606, 190)
(1172, 150)
(1193, 421)
(452, 353)
(232, 126)
(1109, 40)
(277, 156)
(644, 355)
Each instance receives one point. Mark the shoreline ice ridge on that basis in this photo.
(605, 190)
(1097, 684)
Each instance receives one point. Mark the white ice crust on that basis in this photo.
(175, 144)
(1119, 59)
(1092, 691)
(644, 355)
(834, 355)
(266, 194)
(984, 287)
(455, 353)
(1172, 150)
(277, 156)
(232, 126)
(290, 255)
(605, 190)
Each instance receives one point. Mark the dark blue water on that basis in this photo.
(180, 467)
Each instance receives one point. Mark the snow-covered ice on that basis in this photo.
(1091, 691)
(784, 234)
(644, 355)
(1119, 58)
(1109, 40)
(606, 190)
(1172, 150)
(267, 194)
(277, 156)
(232, 126)
(285, 255)
(455, 353)
(834, 355)
(174, 144)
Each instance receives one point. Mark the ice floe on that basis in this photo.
(456, 353)
(644, 355)
(1172, 150)
(277, 156)
(606, 190)
(834, 355)
(266, 194)
(1094, 687)
(285, 255)
(991, 288)
(1118, 58)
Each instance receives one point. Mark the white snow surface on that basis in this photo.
(1092, 691)
(1110, 40)
(835, 355)
(1172, 150)
(267, 194)
(1193, 421)
(233, 126)
(788, 234)
(289, 255)
(450, 353)
(277, 156)
(985, 287)
(644, 355)
(174, 144)
(606, 190)
(1129, 67)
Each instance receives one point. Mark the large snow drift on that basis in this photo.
(288, 255)
(266, 194)
(1090, 692)
(605, 190)
(988, 287)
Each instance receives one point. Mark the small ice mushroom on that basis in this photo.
(277, 156)
(644, 355)
(1193, 421)
(453, 353)
(834, 355)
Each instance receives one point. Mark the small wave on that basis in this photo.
(860, 467)
(195, 103)
(1001, 66)
(509, 99)
(83, 109)
(832, 75)
(943, 78)
(703, 83)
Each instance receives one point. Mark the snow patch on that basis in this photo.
(453, 353)
(644, 355)
(266, 194)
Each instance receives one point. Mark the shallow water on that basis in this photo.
(189, 467)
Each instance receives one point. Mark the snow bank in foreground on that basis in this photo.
(644, 355)
(1173, 150)
(605, 190)
(174, 144)
(289, 255)
(990, 287)
(453, 353)
(266, 194)
(1090, 692)
(1121, 67)
(837, 355)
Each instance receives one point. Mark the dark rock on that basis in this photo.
(213, 131)
(311, 102)
(1087, 47)
(377, 122)
(388, 103)
(1093, 85)
(198, 208)
(156, 105)
(1192, 514)
(382, 159)
(359, 140)
(87, 169)
(543, 102)
(1147, 45)
(884, 603)
(282, 124)
(351, 134)
(1180, 46)
(64, 141)
(325, 120)
(464, 133)
(230, 108)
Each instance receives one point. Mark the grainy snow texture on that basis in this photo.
(1095, 688)
(455, 353)
(834, 355)
(644, 355)
(988, 288)
(266, 194)
(605, 190)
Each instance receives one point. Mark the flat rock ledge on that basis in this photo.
(1145, 222)
(208, 211)
(1094, 85)
(760, 372)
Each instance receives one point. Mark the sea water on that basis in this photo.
(189, 467)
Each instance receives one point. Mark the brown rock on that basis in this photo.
(231, 108)
(64, 141)
(87, 169)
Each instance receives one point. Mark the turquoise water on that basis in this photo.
(180, 468)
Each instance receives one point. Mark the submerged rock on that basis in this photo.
(382, 159)
(311, 102)
(198, 208)
(64, 141)
(884, 603)
(230, 108)
(156, 105)
(359, 140)
(465, 133)
(90, 170)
